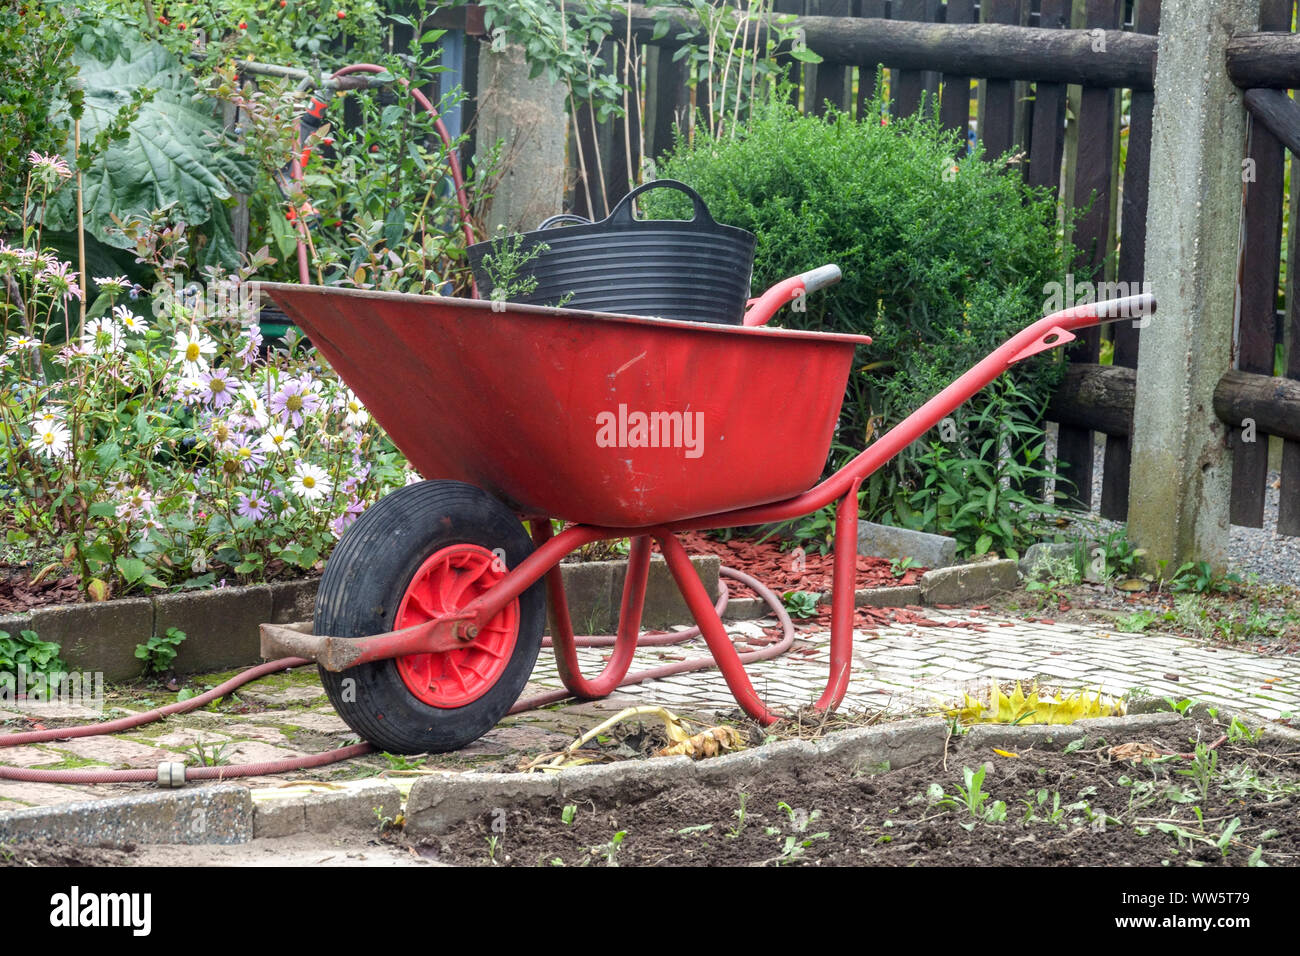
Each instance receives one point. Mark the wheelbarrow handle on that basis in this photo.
(789, 290)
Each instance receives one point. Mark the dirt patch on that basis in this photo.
(1091, 807)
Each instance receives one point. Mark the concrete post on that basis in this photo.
(1179, 485)
(528, 117)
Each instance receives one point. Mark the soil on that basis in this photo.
(1110, 812)
(24, 586)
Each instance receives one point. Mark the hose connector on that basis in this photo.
(171, 774)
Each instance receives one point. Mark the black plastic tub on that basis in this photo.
(691, 269)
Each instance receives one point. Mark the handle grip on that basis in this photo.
(769, 303)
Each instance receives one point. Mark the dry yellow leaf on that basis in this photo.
(1005, 753)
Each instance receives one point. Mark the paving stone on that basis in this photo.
(115, 751)
(28, 756)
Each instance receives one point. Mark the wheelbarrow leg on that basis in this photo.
(715, 635)
(629, 622)
(843, 580)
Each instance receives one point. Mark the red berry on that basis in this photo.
(341, 14)
(283, 4)
(180, 26)
(164, 21)
(374, 149)
(243, 25)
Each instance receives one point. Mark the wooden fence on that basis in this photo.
(1069, 85)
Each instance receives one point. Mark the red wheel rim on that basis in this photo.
(447, 581)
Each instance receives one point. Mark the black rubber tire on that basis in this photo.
(365, 579)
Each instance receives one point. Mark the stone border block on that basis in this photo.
(216, 814)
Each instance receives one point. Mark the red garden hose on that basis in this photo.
(31, 775)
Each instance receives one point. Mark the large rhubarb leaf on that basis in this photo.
(176, 150)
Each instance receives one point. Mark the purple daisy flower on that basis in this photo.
(294, 400)
(219, 386)
(254, 507)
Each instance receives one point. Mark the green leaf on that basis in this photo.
(805, 55)
(102, 509)
(132, 569)
(175, 150)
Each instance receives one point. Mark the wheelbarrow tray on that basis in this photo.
(611, 420)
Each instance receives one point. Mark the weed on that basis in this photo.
(1137, 622)
(1054, 815)
(1202, 770)
(493, 843)
(973, 797)
(209, 754)
(900, 566)
(609, 850)
(160, 650)
(1239, 733)
(794, 844)
(801, 604)
(739, 814)
(401, 762)
(568, 813)
(1199, 577)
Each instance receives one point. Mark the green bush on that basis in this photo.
(942, 259)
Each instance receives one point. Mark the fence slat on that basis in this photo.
(1132, 264)
(867, 71)
(1094, 233)
(1258, 293)
(1288, 517)
(997, 120)
(954, 105)
(909, 85)
(625, 138)
(793, 68)
(830, 82)
(1047, 131)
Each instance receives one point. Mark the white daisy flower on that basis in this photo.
(130, 321)
(19, 342)
(50, 439)
(103, 336)
(357, 415)
(255, 403)
(193, 347)
(277, 438)
(310, 481)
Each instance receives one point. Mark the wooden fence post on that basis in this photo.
(1179, 485)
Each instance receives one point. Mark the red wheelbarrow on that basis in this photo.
(430, 614)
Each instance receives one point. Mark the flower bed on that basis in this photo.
(166, 444)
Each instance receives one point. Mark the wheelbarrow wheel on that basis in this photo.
(423, 550)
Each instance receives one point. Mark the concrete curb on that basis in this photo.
(227, 814)
(439, 802)
(217, 814)
(362, 807)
